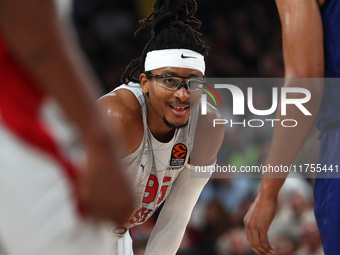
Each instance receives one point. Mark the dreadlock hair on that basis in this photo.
(173, 26)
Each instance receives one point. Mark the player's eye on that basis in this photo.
(170, 82)
(195, 85)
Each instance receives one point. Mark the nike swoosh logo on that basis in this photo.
(182, 56)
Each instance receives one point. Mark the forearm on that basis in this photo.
(174, 217)
(44, 46)
(288, 141)
(302, 59)
(168, 234)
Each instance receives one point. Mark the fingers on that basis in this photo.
(259, 242)
(257, 236)
(264, 242)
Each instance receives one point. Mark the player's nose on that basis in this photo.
(183, 94)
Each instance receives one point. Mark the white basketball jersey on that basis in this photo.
(154, 166)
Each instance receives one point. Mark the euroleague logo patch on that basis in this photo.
(178, 154)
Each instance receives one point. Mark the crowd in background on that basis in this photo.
(245, 41)
(244, 36)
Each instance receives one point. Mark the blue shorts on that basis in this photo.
(327, 192)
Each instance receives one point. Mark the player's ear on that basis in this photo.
(144, 82)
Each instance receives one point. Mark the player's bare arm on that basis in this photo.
(48, 51)
(208, 139)
(175, 215)
(124, 114)
(303, 58)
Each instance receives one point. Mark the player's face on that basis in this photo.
(170, 107)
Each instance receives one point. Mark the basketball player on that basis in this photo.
(46, 202)
(157, 116)
(311, 49)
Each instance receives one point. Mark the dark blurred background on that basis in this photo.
(244, 36)
(245, 41)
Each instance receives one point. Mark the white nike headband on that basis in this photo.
(174, 58)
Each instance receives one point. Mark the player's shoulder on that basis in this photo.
(205, 122)
(208, 139)
(212, 112)
(124, 114)
(121, 103)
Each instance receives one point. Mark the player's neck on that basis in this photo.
(160, 131)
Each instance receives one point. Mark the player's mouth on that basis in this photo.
(179, 109)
